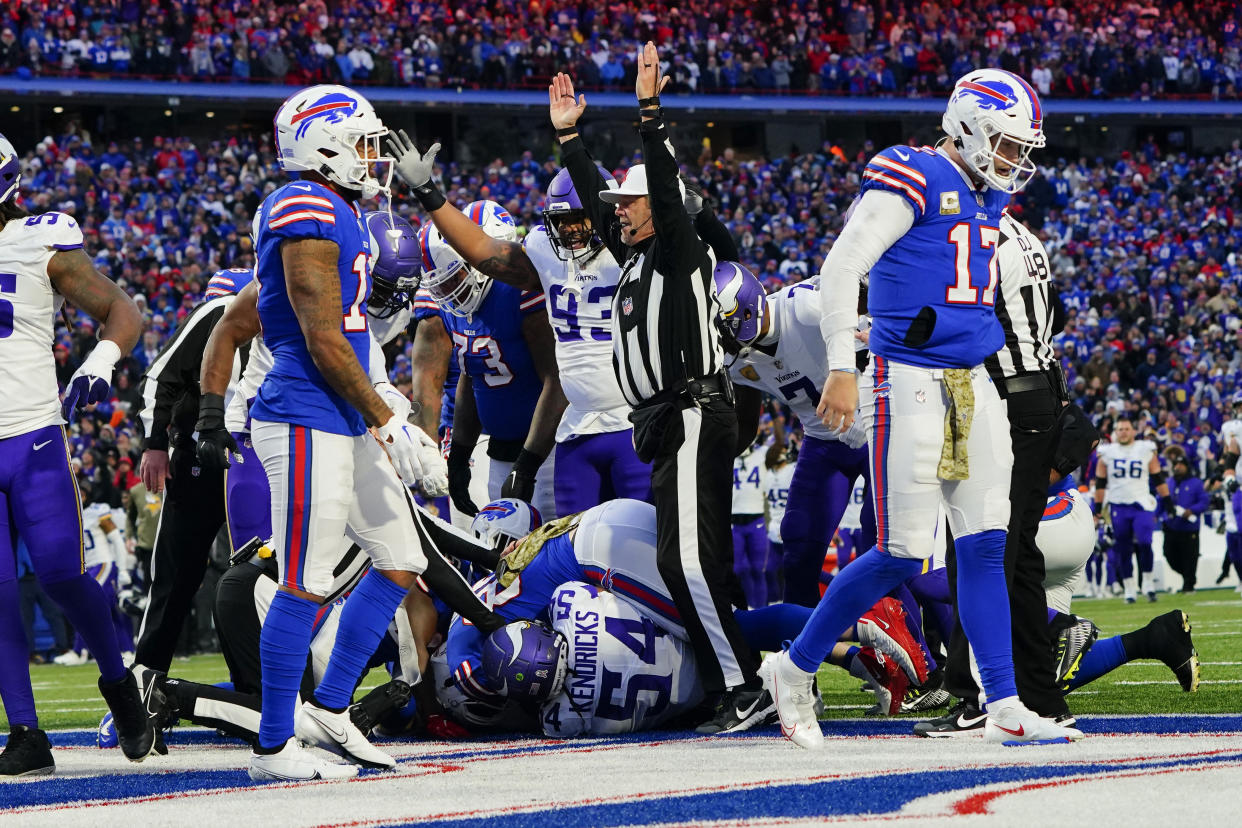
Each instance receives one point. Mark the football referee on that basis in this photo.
(1028, 377)
(668, 361)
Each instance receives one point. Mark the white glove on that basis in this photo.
(397, 438)
(435, 469)
(854, 436)
(92, 382)
(412, 167)
(397, 402)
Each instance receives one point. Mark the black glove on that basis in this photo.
(520, 483)
(215, 444)
(459, 478)
(1078, 438)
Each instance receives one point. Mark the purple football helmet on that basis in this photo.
(397, 266)
(569, 229)
(10, 171)
(525, 660)
(743, 304)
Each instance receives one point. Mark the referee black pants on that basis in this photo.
(1034, 427)
(692, 484)
(1181, 550)
(192, 514)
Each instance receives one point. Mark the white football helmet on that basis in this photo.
(318, 129)
(987, 105)
(454, 285)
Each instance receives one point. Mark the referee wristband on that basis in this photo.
(430, 197)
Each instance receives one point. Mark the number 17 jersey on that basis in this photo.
(931, 294)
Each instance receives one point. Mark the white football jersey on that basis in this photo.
(257, 366)
(776, 490)
(1232, 430)
(97, 547)
(1128, 478)
(625, 673)
(1231, 517)
(748, 494)
(796, 372)
(29, 395)
(580, 310)
(852, 519)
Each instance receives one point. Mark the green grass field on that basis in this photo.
(67, 696)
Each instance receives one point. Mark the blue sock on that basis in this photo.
(15, 690)
(367, 613)
(854, 591)
(1052, 615)
(768, 628)
(1105, 655)
(983, 606)
(284, 645)
(83, 601)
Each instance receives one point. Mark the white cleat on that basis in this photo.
(1018, 725)
(294, 763)
(335, 732)
(72, 658)
(793, 693)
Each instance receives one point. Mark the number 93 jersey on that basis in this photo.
(28, 307)
(931, 294)
(625, 673)
(1128, 468)
(294, 391)
(491, 350)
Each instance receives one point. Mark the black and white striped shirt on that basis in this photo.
(663, 314)
(1024, 304)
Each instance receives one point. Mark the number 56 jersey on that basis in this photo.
(625, 673)
(29, 396)
(931, 294)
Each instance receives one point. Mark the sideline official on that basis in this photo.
(668, 361)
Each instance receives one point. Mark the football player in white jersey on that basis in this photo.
(42, 264)
(595, 458)
(1231, 437)
(1124, 474)
(778, 472)
(750, 536)
(781, 350)
(103, 548)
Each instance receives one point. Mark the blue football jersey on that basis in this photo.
(426, 308)
(490, 349)
(931, 295)
(294, 391)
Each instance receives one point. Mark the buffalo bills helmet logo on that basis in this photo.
(333, 108)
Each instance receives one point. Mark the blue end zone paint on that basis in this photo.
(830, 797)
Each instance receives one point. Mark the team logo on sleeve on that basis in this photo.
(333, 107)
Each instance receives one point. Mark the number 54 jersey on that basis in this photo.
(625, 673)
(931, 294)
(29, 396)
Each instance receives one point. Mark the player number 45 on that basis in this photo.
(962, 292)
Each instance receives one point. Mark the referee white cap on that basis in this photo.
(635, 184)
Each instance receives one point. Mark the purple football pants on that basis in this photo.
(1132, 527)
(750, 560)
(247, 497)
(594, 468)
(818, 494)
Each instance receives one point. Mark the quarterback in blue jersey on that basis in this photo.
(310, 422)
(509, 387)
(926, 228)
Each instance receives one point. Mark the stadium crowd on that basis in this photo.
(1141, 244)
(1102, 49)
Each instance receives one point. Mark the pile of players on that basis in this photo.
(569, 627)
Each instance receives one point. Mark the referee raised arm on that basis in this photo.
(668, 361)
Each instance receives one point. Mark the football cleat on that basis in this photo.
(1016, 725)
(884, 628)
(790, 689)
(964, 719)
(1151, 597)
(294, 763)
(336, 733)
(27, 753)
(1170, 634)
(930, 696)
(1074, 638)
(738, 709)
(72, 658)
(134, 713)
(368, 711)
(884, 678)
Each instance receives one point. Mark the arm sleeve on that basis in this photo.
(377, 368)
(175, 370)
(712, 230)
(879, 219)
(680, 249)
(588, 183)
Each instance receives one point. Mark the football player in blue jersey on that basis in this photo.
(311, 415)
(926, 229)
(509, 386)
(565, 258)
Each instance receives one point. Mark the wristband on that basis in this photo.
(210, 412)
(563, 131)
(429, 196)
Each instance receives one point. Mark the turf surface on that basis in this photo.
(67, 696)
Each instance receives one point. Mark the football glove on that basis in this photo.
(397, 438)
(92, 382)
(435, 479)
(520, 483)
(215, 444)
(459, 479)
(412, 167)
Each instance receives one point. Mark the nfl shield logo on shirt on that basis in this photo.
(627, 306)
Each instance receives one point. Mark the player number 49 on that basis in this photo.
(962, 292)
